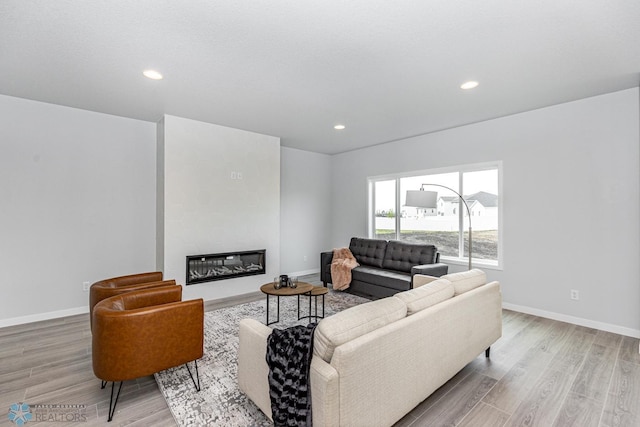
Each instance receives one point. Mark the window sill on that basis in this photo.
(480, 263)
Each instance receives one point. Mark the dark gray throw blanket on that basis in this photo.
(289, 354)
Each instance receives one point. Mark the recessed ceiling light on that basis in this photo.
(468, 85)
(339, 127)
(152, 74)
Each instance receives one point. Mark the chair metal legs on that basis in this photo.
(112, 403)
(197, 385)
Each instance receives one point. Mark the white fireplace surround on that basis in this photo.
(218, 190)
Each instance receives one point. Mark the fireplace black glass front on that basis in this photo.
(207, 268)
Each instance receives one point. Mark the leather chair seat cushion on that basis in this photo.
(380, 277)
(368, 251)
(402, 256)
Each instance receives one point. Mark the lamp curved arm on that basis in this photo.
(465, 205)
(454, 191)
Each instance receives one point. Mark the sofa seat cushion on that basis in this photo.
(368, 251)
(385, 278)
(466, 280)
(426, 296)
(401, 256)
(354, 322)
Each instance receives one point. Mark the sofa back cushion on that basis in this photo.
(466, 280)
(354, 322)
(426, 296)
(368, 251)
(401, 256)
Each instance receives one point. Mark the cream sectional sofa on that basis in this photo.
(373, 363)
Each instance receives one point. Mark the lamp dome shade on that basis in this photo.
(421, 199)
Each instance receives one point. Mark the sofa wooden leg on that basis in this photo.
(487, 351)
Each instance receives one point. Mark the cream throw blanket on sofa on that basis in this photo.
(341, 265)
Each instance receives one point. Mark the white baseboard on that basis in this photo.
(621, 330)
(81, 310)
(305, 272)
(635, 333)
(42, 316)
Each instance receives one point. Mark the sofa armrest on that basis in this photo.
(253, 371)
(325, 267)
(325, 393)
(435, 270)
(253, 376)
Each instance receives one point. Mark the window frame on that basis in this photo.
(496, 264)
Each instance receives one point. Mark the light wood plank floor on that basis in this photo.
(541, 373)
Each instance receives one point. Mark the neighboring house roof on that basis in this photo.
(487, 200)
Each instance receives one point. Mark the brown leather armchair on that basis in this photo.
(118, 285)
(138, 333)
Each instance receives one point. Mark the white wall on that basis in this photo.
(571, 202)
(77, 192)
(206, 211)
(305, 210)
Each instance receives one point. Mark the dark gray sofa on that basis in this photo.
(386, 266)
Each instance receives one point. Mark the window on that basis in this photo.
(446, 223)
(384, 210)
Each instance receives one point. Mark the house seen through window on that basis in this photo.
(446, 224)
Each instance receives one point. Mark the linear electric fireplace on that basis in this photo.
(207, 268)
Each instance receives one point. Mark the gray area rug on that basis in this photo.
(220, 402)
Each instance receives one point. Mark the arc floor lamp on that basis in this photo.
(429, 200)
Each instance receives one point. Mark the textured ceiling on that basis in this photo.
(386, 69)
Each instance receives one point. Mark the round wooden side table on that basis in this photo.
(315, 293)
(270, 289)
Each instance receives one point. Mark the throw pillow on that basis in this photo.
(354, 322)
(426, 296)
(466, 280)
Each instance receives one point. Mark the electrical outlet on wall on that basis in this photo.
(85, 286)
(575, 295)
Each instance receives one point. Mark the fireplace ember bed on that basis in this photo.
(211, 267)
